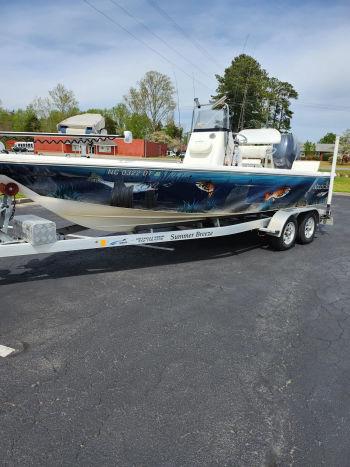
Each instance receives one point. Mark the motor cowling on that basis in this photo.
(286, 152)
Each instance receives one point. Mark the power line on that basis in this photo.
(141, 41)
(303, 104)
(159, 38)
(198, 46)
(341, 108)
(245, 43)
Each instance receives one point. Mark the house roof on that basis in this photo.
(96, 121)
(324, 147)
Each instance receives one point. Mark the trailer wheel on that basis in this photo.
(307, 228)
(288, 236)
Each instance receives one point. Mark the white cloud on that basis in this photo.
(303, 43)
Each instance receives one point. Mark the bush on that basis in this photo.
(311, 157)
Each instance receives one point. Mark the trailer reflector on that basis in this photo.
(11, 189)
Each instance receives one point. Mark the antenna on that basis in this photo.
(177, 95)
(194, 88)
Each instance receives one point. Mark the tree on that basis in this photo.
(25, 120)
(63, 99)
(51, 110)
(172, 130)
(6, 119)
(309, 148)
(18, 120)
(152, 97)
(161, 137)
(31, 123)
(139, 125)
(120, 114)
(244, 84)
(345, 146)
(109, 124)
(254, 98)
(42, 107)
(278, 98)
(328, 138)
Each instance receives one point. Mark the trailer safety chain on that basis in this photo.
(13, 208)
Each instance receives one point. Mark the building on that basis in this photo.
(82, 124)
(58, 145)
(324, 149)
(86, 124)
(321, 150)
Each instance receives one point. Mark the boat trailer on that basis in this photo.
(31, 235)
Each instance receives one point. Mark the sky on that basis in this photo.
(101, 54)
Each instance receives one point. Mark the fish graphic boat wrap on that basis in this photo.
(180, 190)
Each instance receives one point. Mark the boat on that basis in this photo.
(222, 175)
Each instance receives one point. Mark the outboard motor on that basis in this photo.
(286, 152)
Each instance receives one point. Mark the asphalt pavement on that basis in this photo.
(220, 352)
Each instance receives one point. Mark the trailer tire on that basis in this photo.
(288, 236)
(307, 228)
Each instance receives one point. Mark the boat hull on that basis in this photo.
(120, 197)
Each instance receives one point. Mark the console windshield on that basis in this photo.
(211, 120)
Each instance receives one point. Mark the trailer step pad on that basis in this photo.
(34, 229)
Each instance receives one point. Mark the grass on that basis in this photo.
(342, 184)
(341, 181)
(326, 165)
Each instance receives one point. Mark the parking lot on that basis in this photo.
(219, 352)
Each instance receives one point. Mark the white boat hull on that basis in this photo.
(106, 218)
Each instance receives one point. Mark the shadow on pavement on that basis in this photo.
(86, 262)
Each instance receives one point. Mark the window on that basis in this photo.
(103, 148)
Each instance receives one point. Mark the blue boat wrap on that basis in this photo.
(181, 190)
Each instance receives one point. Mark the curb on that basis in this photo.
(340, 193)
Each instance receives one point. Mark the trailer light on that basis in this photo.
(11, 189)
(2, 188)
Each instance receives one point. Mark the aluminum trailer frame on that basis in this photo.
(269, 225)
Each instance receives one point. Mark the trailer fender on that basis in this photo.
(279, 219)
